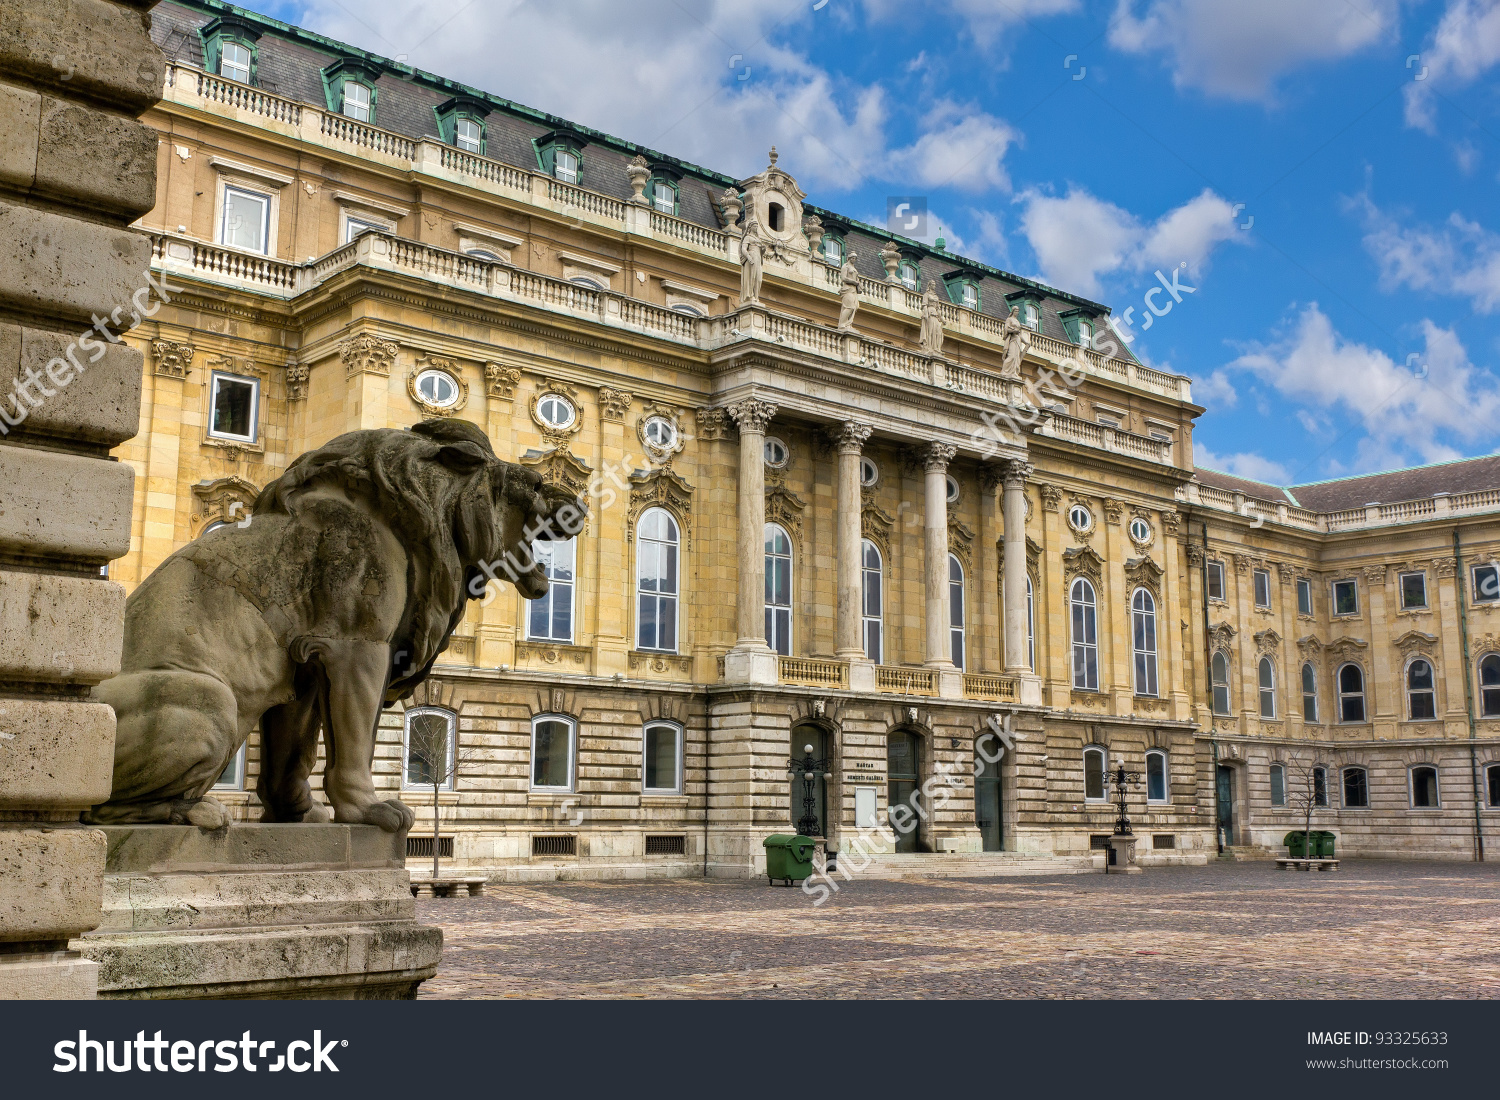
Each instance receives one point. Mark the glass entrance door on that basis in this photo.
(1226, 805)
(987, 805)
(902, 780)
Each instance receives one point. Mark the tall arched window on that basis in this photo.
(1489, 685)
(778, 590)
(1093, 774)
(870, 607)
(661, 771)
(554, 752)
(1356, 789)
(1278, 784)
(1351, 681)
(1267, 688)
(956, 609)
(1156, 776)
(1085, 636)
(431, 736)
(1309, 693)
(1421, 696)
(1143, 632)
(1030, 627)
(1219, 674)
(656, 581)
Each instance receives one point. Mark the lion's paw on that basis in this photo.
(207, 814)
(316, 813)
(391, 815)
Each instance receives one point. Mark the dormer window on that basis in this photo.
(1085, 334)
(356, 101)
(461, 123)
(229, 48)
(910, 277)
(970, 296)
(349, 86)
(234, 61)
(468, 135)
(1031, 317)
(664, 196)
(833, 249)
(566, 166)
(963, 290)
(1079, 324)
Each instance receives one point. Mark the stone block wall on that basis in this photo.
(76, 167)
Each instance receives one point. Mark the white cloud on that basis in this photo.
(1461, 258)
(1079, 238)
(1215, 392)
(1239, 48)
(987, 20)
(1465, 45)
(666, 74)
(1402, 414)
(1245, 464)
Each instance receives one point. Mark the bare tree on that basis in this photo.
(1306, 792)
(434, 756)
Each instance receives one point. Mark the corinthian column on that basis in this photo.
(751, 660)
(939, 648)
(1013, 511)
(850, 439)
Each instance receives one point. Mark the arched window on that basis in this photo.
(1093, 774)
(550, 617)
(1267, 688)
(1421, 696)
(778, 590)
(661, 772)
(553, 752)
(956, 609)
(1219, 673)
(870, 607)
(1156, 776)
(664, 195)
(1356, 789)
(656, 581)
(1489, 685)
(1085, 636)
(1492, 778)
(1424, 788)
(1278, 784)
(235, 60)
(468, 134)
(1351, 681)
(1030, 627)
(429, 743)
(1309, 693)
(1143, 633)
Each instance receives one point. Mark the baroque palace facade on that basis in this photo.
(869, 534)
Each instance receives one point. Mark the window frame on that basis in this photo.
(958, 289)
(868, 464)
(1492, 785)
(957, 632)
(368, 106)
(551, 595)
(1220, 657)
(1474, 570)
(556, 399)
(434, 372)
(1310, 696)
(1492, 691)
(1411, 787)
(1030, 625)
(1088, 517)
(461, 140)
(1277, 776)
(1411, 692)
(866, 620)
(1262, 579)
(450, 781)
(1166, 777)
(678, 733)
(1144, 660)
(671, 184)
(835, 239)
(1364, 773)
(1401, 579)
(237, 761)
(1103, 754)
(1265, 669)
(572, 725)
(774, 610)
(215, 377)
(1212, 568)
(1361, 694)
(1334, 611)
(365, 224)
(267, 200)
(1320, 785)
(674, 597)
(905, 268)
(249, 65)
(1090, 621)
(1304, 589)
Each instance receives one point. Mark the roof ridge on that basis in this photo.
(1397, 470)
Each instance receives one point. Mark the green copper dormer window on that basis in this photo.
(833, 249)
(909, 274)
(560, 155)
(963, 290)
(229, 48)
(461, 123)
(1081, 325)
(349, 89)
(663, 194)
(1028, 307)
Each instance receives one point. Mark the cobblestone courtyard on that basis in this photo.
(1369, 930)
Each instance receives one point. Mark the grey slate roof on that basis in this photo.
(1463, 475)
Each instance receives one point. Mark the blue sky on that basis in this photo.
(1332, 195)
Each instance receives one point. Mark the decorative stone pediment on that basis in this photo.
(1144, 573)
(658, 487)
(237, 364)
(614, 403)
(1113, 509)
(560, 467)
(1345, 649)
(1484, 643)
(222, 500)
(1082, 561)
(1445, 567)
(876, 523)
(366, 353)
(784, 507)
(1033, 557)
(1267, 641)
(961, 541)
(1415, 641)
(773, 200)
(1309, 647)
(1221, 636)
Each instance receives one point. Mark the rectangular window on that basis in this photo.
(1493, 774)
(1304, 596)
(664, 197)
(552, 754)
(1278, 785)
(1093, 775)
(246, 220)
(663, 759)
(1486, 583)
(429, 749)
(468, 135)
(565, 165)
(353, 227)
(1262, 588)
(234, 61)
(1320, 787)
(1156, 777)
(1356, 789)
(1413, 591)
(1109, 422)
(233, 776)
(1345, 598)
(1215, 574)
(356, 101)
(234, 407)
(550, 618)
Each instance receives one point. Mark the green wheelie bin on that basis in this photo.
(1323, 841)
(788, 858)
(1296, 843)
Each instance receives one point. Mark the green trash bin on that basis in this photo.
(789, 857)
(1324, 844)
(1296, 844)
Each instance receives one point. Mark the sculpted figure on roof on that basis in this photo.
(932, 321)
(848, 295)
(752, 263)
(1017, 338)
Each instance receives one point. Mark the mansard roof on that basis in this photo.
(1465, 475)
(290, 63)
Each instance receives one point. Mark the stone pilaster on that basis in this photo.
(751, 659)
(850, 442)
(1013, 512)
(938, 648)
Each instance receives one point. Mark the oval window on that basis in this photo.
(437, 388)
(659, 433)
(776, 452)
(1140, 530)
(869, 473)
(1080, 517)
(555, 410)
(952, 489)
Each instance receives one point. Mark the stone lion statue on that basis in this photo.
(333, 601)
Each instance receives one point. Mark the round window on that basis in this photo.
(952, 489)
(1080, 517)
(776, 453)
(1140, 530)
(869, 473)
(660, 433)
(555, 410)
(437, 388)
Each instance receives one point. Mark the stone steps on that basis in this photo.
(968, 865)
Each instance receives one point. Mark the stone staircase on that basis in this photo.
(974, 865)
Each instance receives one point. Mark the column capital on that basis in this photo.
(751, 414)
(850, 436)
(936, 456)
(1017, 473)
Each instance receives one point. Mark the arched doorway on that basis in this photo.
(987, 801)
(902, 762)
(822, 753)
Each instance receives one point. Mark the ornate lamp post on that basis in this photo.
(811, 770)
(1124, 780)
(1122, 843)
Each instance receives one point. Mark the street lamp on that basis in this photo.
(811, 771)
(1124, 780)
